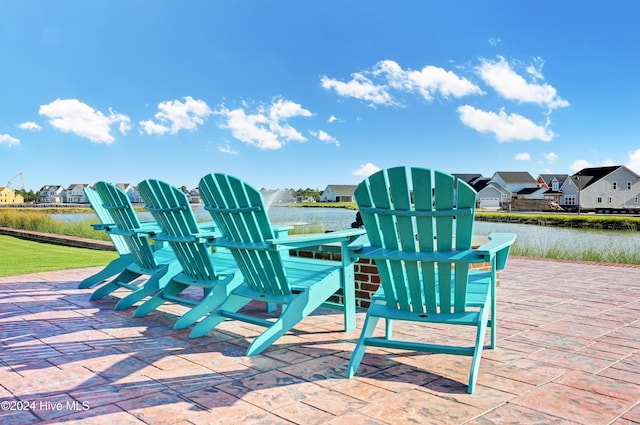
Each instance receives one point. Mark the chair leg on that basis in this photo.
(477, 354)
(172, 288)
(157, 280)
(493, 322)
(113, 268)
(213, 298)
(304, 304)
(233, 303)
(358, 353)
(119, 281)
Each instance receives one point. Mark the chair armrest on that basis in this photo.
(498, 245)
(204, 236)
(292, 242)
(103, 226)
(360, 242)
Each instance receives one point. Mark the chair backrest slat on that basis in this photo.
(238, 209)
(119, 207)
(406, 210)
(170, 207)
(105, 218)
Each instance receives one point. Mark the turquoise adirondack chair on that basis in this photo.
(419, 227)
(159, 264)
(125, 257)
(300, 285)
(217, 274)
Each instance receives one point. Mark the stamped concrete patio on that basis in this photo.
(569, 353)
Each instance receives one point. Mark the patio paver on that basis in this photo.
(568, 353)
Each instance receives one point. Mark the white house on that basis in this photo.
(75, 194)
(131, 192)
(194, 196)
(51, 194)
(338, 193)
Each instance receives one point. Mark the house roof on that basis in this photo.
(515, 176)
(343, 189)
(587, 176)
(528, 190)
(480, 183)
(469, 178)
(548, 178)
(51, 187)
(78, 185)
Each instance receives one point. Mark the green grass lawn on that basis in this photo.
(18, 256)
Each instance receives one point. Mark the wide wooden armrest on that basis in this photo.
(463, 256)
(204, 236)
(102, 226)
(292, 242)
(498, 245)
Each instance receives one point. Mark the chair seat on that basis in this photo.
(478, 287)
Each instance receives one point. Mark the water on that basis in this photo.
(535, 239)
(327, 218)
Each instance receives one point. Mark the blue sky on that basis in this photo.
(296, 94)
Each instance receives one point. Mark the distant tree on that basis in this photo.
(308, 193)
(184, 189)
(29, 196)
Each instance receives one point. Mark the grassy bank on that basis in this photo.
(39, 221)
(579, 221)
(21, 257)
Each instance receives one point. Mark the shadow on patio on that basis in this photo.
(568, 352)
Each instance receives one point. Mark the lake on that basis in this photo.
(532, 239)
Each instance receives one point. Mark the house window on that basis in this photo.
(599, 200)
(628, 185)
(570, 199)
(635, 200)
(610, 199)
(615, 185)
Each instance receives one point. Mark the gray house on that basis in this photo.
(602, 189)
(553, 183)
(490, 193)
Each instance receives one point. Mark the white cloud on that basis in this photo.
(494, 41)
(634, 161)
(73, 116)
(174, 115)
(375, 85)
(366, 170)
(429, 81)
(505, 127)
(268, 127)
(579, 164)
(509, 84)
(29, 125)
(524, 156)
(325, 137)
(227, 149)
(6, 139)
(359, 87)
(332, 119)
(550, 157)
